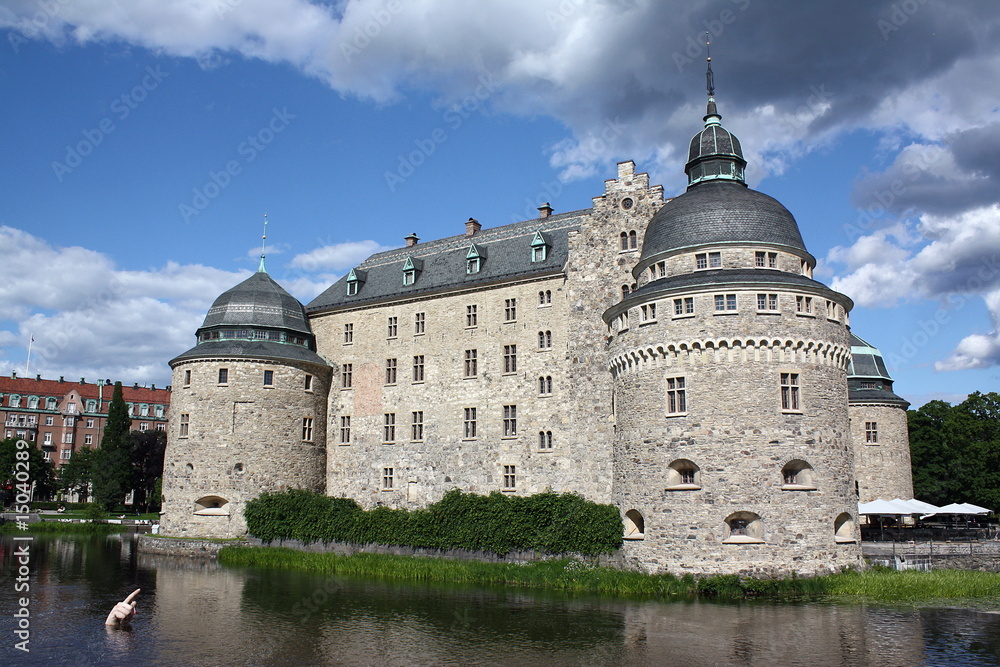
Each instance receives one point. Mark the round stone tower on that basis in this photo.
(878, 427)
(247, 413)
(732, 448)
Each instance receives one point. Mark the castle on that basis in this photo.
(673, 358)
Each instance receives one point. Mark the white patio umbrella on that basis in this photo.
(920, 506)
(880, 506)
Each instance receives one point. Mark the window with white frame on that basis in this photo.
(510, 358)
(509, 421)
(89, 439)
(417, 425)
(767, 302)
(648, 312)
(725, 303)
(790, 398)
(143, 426)
(307, 429)
(804, 304)
(49, 420)
(676, 396)
(509, 478)
(471, 363)
(389, 427)
(871, 433)
(684, 306)
(764, 259)
(469, 424)
(65, 454)
(509, 310)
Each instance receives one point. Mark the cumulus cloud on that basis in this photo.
(637, 65)
(337, 256)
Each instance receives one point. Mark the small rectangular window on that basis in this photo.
(725, 302)
(307, 429)
(348, 333)
(767, 302)
(187, 378)
(418, 368)
(472, 265)
(420, 319)
(509, 478)
(390, 371)
(510, 310)
(510, 358)
(471, 363)
(790, 392)
(469, 424)
(471, 316)
(308, 382)
(346, 376)
(509, 421)
(649, 312)
(714, 260)
(871, 433)
(389, 427)
(89, 439)
(417, 426)
(393, 328)
(345, 429)
(352, 287)
(387, 478)
(538, 253)
(185, 422)
(676, 396)
(268, 378)
(804, 304)
(223, 376)
(409, 277)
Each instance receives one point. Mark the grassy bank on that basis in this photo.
(875, 585)
(55, 527)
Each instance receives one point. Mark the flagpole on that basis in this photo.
(31, 339)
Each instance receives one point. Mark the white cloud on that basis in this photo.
(337, 256)
(977, 350)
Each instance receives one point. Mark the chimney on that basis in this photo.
(38, 377)
(544, 210)
(472, 226)
(62, 378)
(411, 240)
(83, 380)
(13, 375)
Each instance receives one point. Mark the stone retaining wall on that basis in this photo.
(170, 546)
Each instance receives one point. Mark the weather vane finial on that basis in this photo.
(263, 242)
(709, 78)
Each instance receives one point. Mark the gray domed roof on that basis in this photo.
(868, 379)
(720, 212)
(712, 141)
(258, 301)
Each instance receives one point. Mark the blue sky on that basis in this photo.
(145, 141)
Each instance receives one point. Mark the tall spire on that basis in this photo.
(712, 116)
(263, 241)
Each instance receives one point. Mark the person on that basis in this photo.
(122, 613)
(61, 509)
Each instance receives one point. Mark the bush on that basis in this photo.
(499, 523)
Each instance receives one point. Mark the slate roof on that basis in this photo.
(714, 140)
(867, 364)
(720, 212)
(257, 301)
(255, 349)
(506, 253)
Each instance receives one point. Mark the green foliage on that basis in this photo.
(95, 513)
(955, 451)
(498, 523)
(112, 467)
(64, 528)
(13, 462)
(146, 450)
(76, 474)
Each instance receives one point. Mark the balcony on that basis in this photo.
(14, 422)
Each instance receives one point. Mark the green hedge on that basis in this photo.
(499, 523)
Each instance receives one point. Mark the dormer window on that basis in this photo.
(410, 268)
(539, 248)
(473, 260)
(354, 280)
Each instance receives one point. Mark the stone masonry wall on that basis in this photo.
(883, 467)
(243, 439)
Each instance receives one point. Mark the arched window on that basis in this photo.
(544, 340)
(797, 475)
(743, 528)
(635, 525)
(683, 475)
(843, 529)
(211, 506)
(624, 240)
(633, 240)
(545, 385)
(545, 298)
(625, 291)
(545, 439)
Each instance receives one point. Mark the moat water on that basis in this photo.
(198, 613)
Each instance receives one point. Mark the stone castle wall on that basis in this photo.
(242, 439)
(879, 464)
(739, 439)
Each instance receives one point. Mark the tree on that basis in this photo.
(76, 475)
(955, 451)
(146, 448)
(112, 468)
(33, 466)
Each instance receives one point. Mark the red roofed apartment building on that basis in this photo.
(63, 417)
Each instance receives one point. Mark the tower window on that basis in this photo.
(767, 302)
(308, 382)
(307, 429)
(184, 424)
(676, 396)
(469, 424)
(223, 376)
(804, 304)
(509, 478)
(725, 302)
(684, 306)
(790, 399)
(871, 433)
(268, 378)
